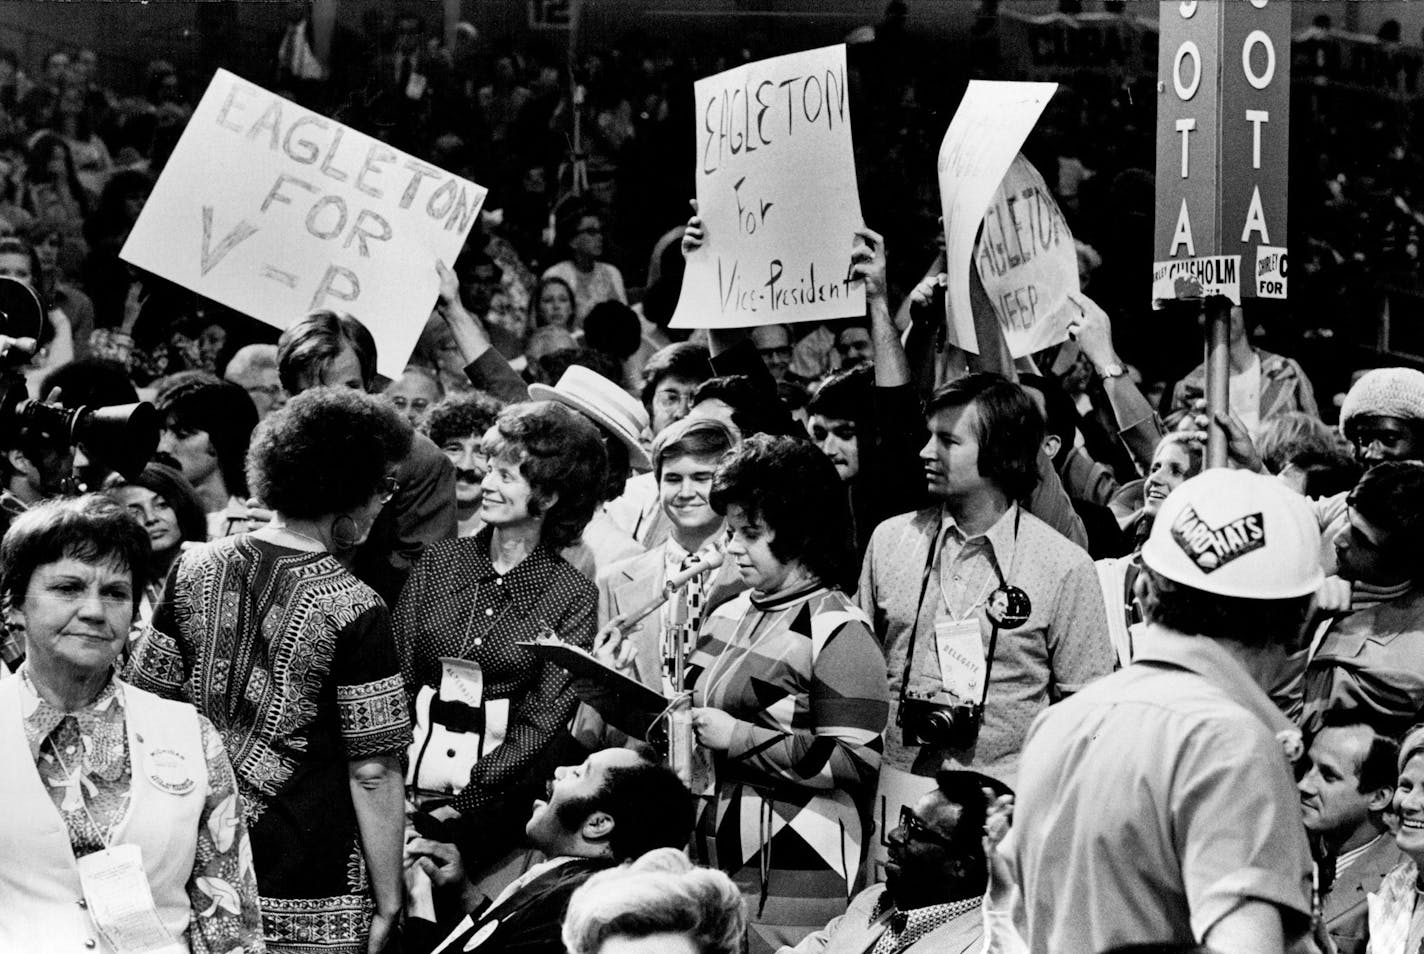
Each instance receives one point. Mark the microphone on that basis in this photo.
(677, 581)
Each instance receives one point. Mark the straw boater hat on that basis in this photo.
(604, 403)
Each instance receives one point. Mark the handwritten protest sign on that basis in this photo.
(276, 211)
(991, 123)
(1027, 261)
(777, 194)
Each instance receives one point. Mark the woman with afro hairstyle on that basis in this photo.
(291, 657)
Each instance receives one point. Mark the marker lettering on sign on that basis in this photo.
(278, 275)
(303, 150)
(211, 256)
(735, 121)
(329, 287)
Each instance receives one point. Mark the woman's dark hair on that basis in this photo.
(793, 488)
(539, 320)
(328, 451)
(1194, 612)
(170, 484)
(559, 452)
(1009, 429)
(307, 348)
(460, 416)
(91, 529)
(198, 401)
(37, 168)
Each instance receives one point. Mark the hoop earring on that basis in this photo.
(342, 538)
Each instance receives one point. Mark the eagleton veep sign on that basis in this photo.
(1223, 107)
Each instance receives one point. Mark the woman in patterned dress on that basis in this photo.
(789, 695)
(477, 598)
(292, 659)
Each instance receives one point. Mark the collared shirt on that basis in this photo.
(83, 759)
(907, 927)
(1063, 647)
(1155, 801)
(1345, 859)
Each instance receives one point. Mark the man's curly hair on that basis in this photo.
(460, 416)
(560, 453)
(328, 451)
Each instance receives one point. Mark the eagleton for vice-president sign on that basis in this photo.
(777, 194)
(1223, 111)
(276, 211)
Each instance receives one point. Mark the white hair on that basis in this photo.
(660, 893)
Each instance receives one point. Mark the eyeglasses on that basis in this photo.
(270, 390)
(916, 830)
(389, 486)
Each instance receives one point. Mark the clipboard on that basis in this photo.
(625, 703)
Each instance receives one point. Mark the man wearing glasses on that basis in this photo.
(934, 890)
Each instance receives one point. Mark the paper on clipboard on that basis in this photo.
(625, 703)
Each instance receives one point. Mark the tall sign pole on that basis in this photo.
(1223, 126)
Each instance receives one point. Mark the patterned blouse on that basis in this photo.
(83, 759)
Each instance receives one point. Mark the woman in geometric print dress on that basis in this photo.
(292, 659)
(789, 694)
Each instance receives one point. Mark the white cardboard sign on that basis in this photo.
(990, 125)
(777, 194)
(1027, 261)
(277, 211)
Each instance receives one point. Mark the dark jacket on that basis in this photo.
(531, 920)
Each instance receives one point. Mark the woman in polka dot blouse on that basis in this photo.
(477, 598)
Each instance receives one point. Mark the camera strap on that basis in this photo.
(920, 601)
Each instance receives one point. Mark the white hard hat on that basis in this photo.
(1235, 533)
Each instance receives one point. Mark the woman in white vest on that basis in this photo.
(120, 829)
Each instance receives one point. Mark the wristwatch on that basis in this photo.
(1113, 370)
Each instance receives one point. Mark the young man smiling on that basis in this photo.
(685, 456)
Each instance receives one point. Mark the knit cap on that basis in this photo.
(1385, 392)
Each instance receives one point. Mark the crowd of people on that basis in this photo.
(584, 634)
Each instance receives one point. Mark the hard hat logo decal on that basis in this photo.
(1211, 548)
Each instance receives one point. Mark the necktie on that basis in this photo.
(684, 621)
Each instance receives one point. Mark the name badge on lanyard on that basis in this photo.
(118, 898)
(961, 657)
